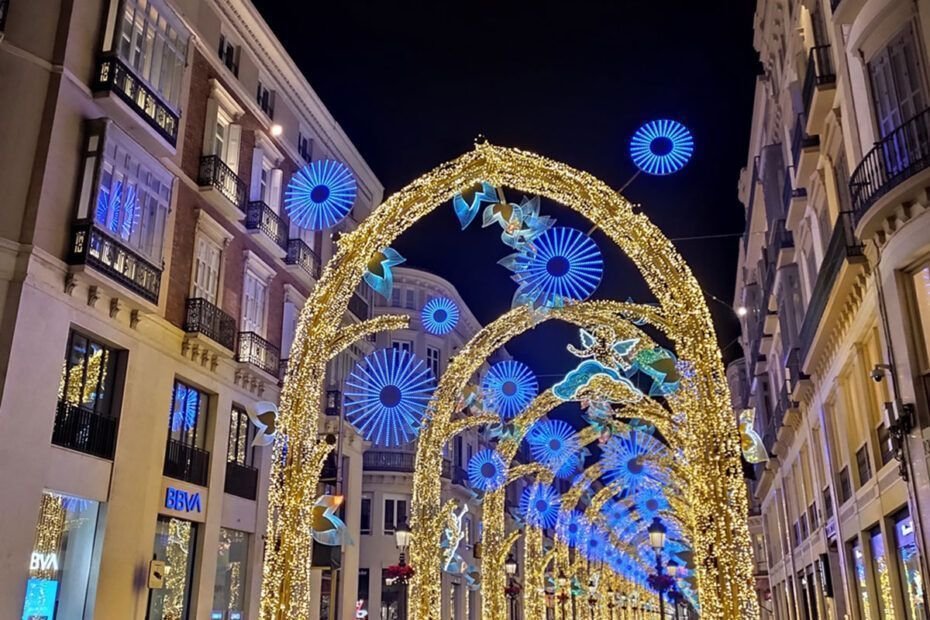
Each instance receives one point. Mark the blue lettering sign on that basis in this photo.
(176, 499)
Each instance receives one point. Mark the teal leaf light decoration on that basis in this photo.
(378, 274)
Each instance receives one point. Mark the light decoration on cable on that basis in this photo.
(560, 265)
(571, 527)
(754, 450)
(320, 194)
(632, 459)
(539, 505)
(660, 365)
(378, 272)
(595, 543)
(452, 538)
(553, 443)
(467, 203)
(185, 409)
(486, 470)
(603, 356)
(264, 417)
(650, 502)
(386, 396)
(661, 147)
(508, 388)
(521, 223)
(439, 316)
(325, 525)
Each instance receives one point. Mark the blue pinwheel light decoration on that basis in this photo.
(467, 203)
(560, 265)
(661, 147)
(486, 470)
(595, 543)
(553, 443)
(379, 273)
(320, 194)
(439, 316)
(571, 527)
(539, 505)
(508, 388)
(650, 503)
(386, 396)
(185, 409)
(118, 209)
(631, 459)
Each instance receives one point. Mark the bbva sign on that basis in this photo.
(183, 501)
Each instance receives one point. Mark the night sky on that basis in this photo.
(415, 86)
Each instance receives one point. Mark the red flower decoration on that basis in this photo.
(513, 590)
(400, 573)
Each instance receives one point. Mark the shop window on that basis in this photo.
(241, 431)
(187, 418)
(175, 545)
(231, 574)
(909, 569)
(862, 581)
(361, 606)
(62, 558)
(882, 577)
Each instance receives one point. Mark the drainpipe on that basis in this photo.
(904, 422)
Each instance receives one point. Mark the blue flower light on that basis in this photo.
(379, 273)
(386, 396)
(439, 316)
(560, 265)
(539, 505)
(486, 470)
(467, 203)
(631, 459)
(661, 147)
(571, 527)
(320, 194)
(595, 543)
(650, 503)
(508, 388)
(553, 443)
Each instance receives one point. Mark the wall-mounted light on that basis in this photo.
(276, 130)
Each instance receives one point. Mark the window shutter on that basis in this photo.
(233, 140)
(209, 127)
(277, 176)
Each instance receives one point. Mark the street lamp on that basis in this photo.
(657, 532)
(562, 582)
(402, 538)
(510, 566)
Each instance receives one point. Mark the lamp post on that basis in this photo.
(402, 538)
(510, 566)
(657, 533)
(562, 582)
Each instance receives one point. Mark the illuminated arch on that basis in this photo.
(717, 491)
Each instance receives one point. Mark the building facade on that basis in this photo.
(150, 285)
(834, 276)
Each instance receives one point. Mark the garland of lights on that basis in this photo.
(716, 491)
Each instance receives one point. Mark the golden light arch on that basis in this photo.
(721, 546)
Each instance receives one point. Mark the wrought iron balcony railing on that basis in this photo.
(843, 245)
(84, 430)
(259, 216)
(216, 174)
(91, 246)
(820, 72)
(300, 254)
(185, 462)
(241, 480)
(115, 76)
(383, 460)
(255, 350)
(202, 317)
(901, 154)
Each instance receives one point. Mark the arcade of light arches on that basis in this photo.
(715, 492)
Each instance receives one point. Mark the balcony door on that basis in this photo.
(254, 301)
(207, 258)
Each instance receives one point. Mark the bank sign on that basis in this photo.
(183, 501)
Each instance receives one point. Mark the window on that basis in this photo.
(62, 559)
(232, 565)
(827, 502)
(132, 197)
(226, 139)
(266, 179)
(402, 345)
(229, 54)
(254, 301)
(288, 326)
(395, 297)
(845, 490)
(207, 260)
(909, 568)
(885, 445)
(863, 464)
(395, 513)
(466, 531)
(187, 418)
(175, 544)
(432, 360)
(88, 378)
(265, 98)
(897, 88)
(239, 448)
(411, 302)
(920, 281)
(365, 520)
(305, 146)
(361, 606)
(862, 583)
(151, 41)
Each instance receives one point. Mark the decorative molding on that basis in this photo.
(115, 306)
(93, 294)
(70, 283)
(259, 267)
(226, 101)
(212, 229)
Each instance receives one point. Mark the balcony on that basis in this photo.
(819, 87)
(258, 352)
(128, 98)
(241, 480)
(382, 460)
(889, 169)
(459, 476)
(844, 253)
(184, 462)
(359, 307)
(220, 185)
(796, 376)
(780, 245)
(202, 317)
(96, 249)
(84, 430)
(267, 227)
(303, 260)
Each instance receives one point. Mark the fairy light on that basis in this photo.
(715, 491)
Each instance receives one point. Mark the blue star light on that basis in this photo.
(552, 443)
(320, 194)
(562, 264)
(571, 527)
(386, 396)
(467, 204)
(661, 147)
(539, 505)
(631, 459)
(378, 273)
(486, 470)
(508, 388)
(439, 316)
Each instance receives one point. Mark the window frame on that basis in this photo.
(388, 528)
(241, 433)
(195, 436)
